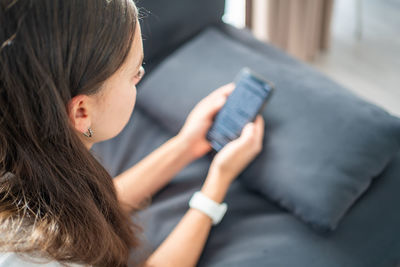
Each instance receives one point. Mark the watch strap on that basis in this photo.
(213, 209)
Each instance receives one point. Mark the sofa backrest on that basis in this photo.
(166, 24)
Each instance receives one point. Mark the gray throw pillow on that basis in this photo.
(323, 144)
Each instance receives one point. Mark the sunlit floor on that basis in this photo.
(369, 66)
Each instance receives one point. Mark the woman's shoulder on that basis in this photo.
(11, 259)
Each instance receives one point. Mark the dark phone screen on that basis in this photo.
(241, 107)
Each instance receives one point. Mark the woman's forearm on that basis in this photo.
(185, 243)
(152, 173)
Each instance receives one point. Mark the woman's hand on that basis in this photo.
(229, 162)
(200, 119)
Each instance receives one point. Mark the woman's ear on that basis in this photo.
(78, 112)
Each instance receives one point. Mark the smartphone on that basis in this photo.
(248, 99)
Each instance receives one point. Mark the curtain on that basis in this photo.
(300, 27)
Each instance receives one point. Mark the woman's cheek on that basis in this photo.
(130, 99)
(123, 107)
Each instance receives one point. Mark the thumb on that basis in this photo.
(215, 106)
(247, 131)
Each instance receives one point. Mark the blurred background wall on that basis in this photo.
(355, 42)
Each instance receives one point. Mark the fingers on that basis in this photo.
(224, 90)
(253, 133)
(209, 106)
(227, 89)
(248, 130)
(254, 128)
(212, 103)
(259, 125)
(217, 104)
(219, 95)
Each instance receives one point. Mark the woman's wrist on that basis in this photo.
(193, 147)
(184, 147)
(216, 186)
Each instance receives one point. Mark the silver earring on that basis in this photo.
(90, 133)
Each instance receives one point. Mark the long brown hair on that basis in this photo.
(56, 198)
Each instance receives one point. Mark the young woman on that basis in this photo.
(68, 70)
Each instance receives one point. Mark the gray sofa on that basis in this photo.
(266, 224)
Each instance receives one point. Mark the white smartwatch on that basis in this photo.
(213, 209)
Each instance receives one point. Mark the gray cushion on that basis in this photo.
(323, 145)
